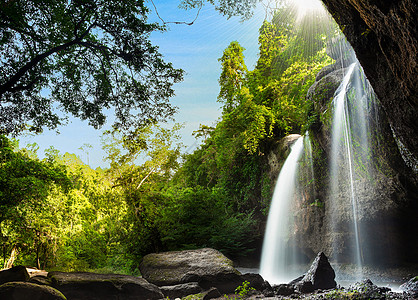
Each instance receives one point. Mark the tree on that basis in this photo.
(232, 76)
(80, 58)
(242, 8)
(142, 164)
(25, 184)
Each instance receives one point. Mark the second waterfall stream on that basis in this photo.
(276, 257)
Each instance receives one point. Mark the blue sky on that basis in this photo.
(196, 50)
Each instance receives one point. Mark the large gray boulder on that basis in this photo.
(208, 267)
(17, 273)
(27, 290)
(91, 286)
(170, 268)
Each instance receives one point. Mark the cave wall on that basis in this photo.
(386, 190)
(384, 37)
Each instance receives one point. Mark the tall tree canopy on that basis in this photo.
(232, 76)
(80, 58)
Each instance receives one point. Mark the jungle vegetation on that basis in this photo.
(58, 213)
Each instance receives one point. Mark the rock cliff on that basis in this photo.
(384, 36)
(384, 186)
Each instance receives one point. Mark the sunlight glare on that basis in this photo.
(305, 7)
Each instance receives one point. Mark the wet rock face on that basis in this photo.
(386, 190)
(384, 37)
(277, 156)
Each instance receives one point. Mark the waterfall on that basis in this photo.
(341, 138)
(278, 257)
(349, 164)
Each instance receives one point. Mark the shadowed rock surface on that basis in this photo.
(386, 190)
(17, 273)
(90, 286)
(26, 291)
(321, 275)
(181, 290)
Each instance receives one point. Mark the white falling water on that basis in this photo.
(349, 152)
(276, 258)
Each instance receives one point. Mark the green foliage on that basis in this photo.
(75, 228)
(80, 58)
(61, 214)
(232, 76)
(198, 218)
(242, 8)
(243, 290)
(317, 203)
(343, 295)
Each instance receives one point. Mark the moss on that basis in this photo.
(194, 297)
(343, 295)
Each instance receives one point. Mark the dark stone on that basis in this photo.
(296, 280)
(17, 273)
(256, 281)
(225, 282)
(321, 274)
(181, 290)
(411, 287)
(304, 287)
(40, 280)
(90, 286)
(284, 289)
(228, 282)
(27, 290)
(211, 294)
(368, 290)
(268, 292)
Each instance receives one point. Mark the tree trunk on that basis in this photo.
(12, 258)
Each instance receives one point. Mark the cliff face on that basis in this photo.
(384, 186)
(384, 36)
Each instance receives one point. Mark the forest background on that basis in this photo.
(59, 213)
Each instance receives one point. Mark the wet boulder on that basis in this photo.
(411, 287)
(366, 289)
(27, 290)
(91, 286)
(320, 276)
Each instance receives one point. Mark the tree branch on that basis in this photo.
(8, 86)
(178, 22)
(142, 181)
